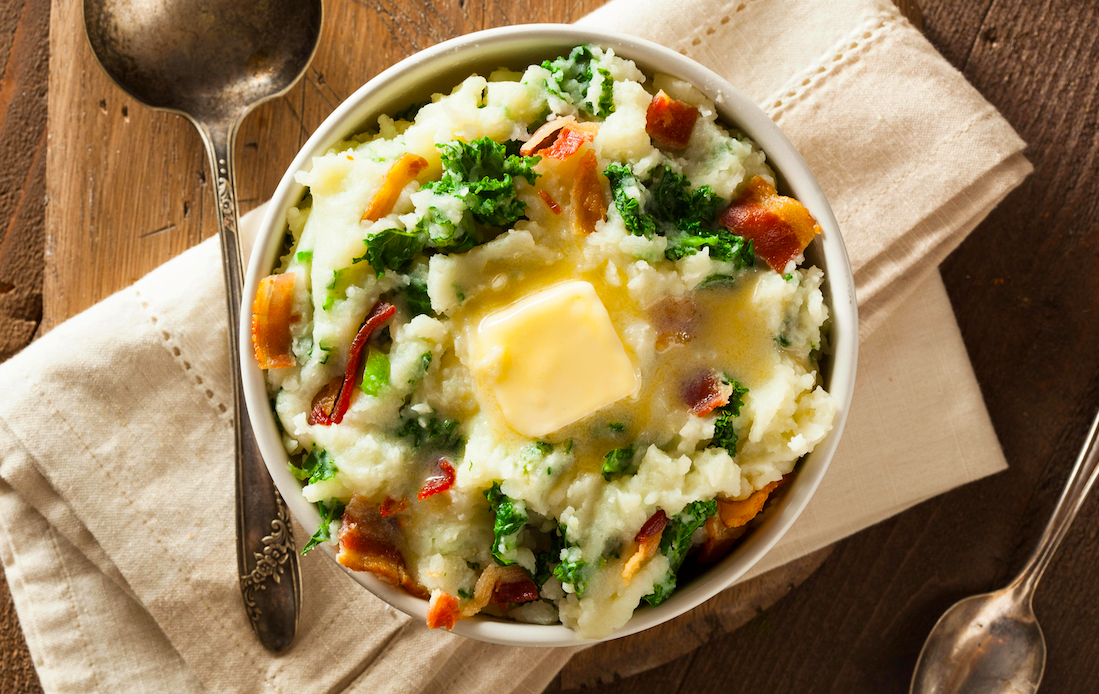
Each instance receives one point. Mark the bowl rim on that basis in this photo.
(381, 95)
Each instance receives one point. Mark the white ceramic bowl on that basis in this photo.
(441, 67)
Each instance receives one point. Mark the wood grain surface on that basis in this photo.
(1023, 286)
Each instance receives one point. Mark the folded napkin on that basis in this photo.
(115, 428)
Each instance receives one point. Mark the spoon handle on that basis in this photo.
(1080, 481)
(267, 561)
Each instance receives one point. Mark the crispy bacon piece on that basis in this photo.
(391, 506)
(719, 540)
(368, 542)
(648, 542)
(559, 138)
(272, 314)
(675, 320)
(734, 514)
(440, 481)
(378, 315)
(550, 202)
(570, 139)
(324, 401)
(501, 585)
(705, 392)
(779, 227)
(442, 611)
(588, 204)
(669, 121)
(403, 172)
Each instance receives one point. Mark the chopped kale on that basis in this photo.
(444, 234)
(465, 594)
(571, 78)
(317, 467)
(391, 249)
(617, 462)
(725, 435)
(622, 182)
(329, 512)
(417, 299)
(672, 202)
(304, 256)
(510, 517)
(435, 433)
(617, 427)
(482, 174)
(573, 570)
(425, 364)
(375, 373)
(675, 542)
(782, 341)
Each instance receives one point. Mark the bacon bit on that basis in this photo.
(501, 585)
(648, 542)
(378, 315)
(324, 401)
(550, 202)
(669, 122)
(569, 140)
(719, 540)
(369, 542)
(735, 514)
(779, 227)
(588, 204)
(442, 611)
(705, 392)
(391, 506)
(545, 135)
(271, 318)
(403, 172)
(440, 481)
(675, 320)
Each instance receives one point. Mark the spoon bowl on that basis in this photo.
(212, 61)
(987, 644)
(992, 643)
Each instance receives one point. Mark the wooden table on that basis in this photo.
(1025, 287)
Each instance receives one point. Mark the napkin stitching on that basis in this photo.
(217, 617)
(850, 46)
(75, 606)
(174, 349)
(696, 41)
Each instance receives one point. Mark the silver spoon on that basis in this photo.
(992, 643)
(213, 61)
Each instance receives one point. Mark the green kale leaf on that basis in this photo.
(434, 433)
(392, 249)
(329, 512)
(622, 182)
(675, 542)
(510, 518)
(375, 373)
(617, 462)
(482, 174)
(417, 299)
(571, 78)
(317, 467)
(725, 435)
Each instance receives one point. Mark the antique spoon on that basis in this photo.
(213, 61)
(992, 643)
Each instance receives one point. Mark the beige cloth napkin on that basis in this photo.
(115, 478)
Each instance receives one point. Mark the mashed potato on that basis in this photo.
(584, 372)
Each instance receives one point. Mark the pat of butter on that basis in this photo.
(552, 358)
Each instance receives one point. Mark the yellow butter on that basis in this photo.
(552, 358)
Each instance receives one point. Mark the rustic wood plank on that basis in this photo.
(23, 53)
(24, 44)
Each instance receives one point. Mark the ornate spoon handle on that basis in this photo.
(270, 580)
